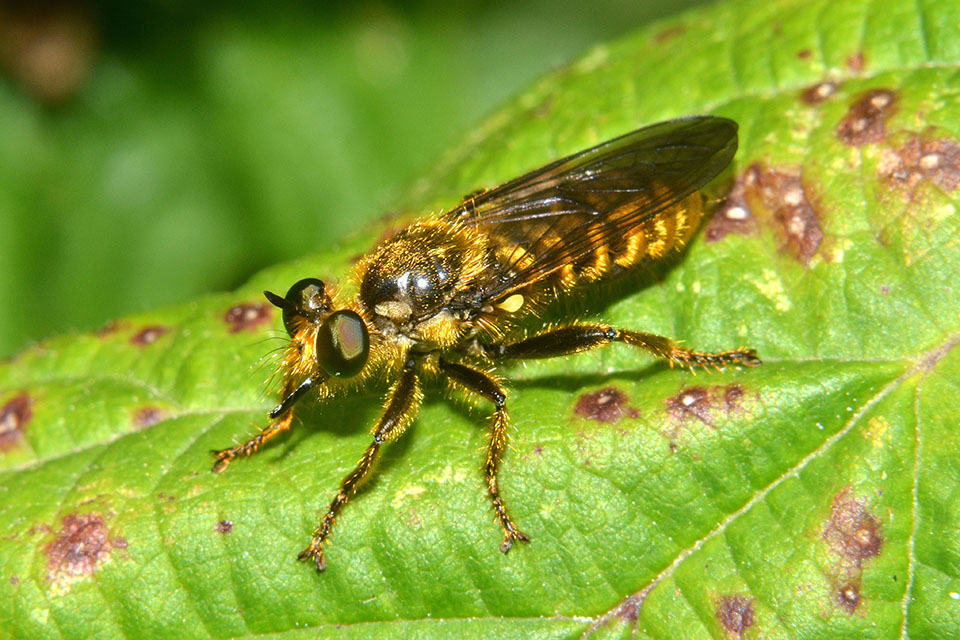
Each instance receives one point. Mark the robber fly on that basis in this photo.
(444, 297)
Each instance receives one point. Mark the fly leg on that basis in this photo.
(403, 400)
(583, 337)
(483, 385)
(285, 415)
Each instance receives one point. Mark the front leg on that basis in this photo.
(282, 414)
(403, 401)
(583, 337)
(483, 385)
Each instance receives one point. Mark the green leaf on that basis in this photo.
(813, 497)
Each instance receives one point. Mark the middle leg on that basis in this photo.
(483, 385)
(402, 404)
(282, 416)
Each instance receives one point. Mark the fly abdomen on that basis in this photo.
(655, 237)
(613, 250)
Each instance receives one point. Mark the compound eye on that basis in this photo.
(343, 344)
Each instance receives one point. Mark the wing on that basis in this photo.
(557, 215)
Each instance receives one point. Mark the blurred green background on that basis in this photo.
(150, 152)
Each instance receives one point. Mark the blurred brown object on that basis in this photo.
(47, 47)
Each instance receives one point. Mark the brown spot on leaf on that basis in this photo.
(413, 519)
(702, 404)
(735, 216)
(852, 531)
(847, 596)
(148, 416)
(669, 33)
(148, 335)
(856, 62)
(606, 405)
(120, 543)
(108, 329)
(14, 580)
(699, 402)
(691, 403)
(224, 527)
(781, 192)
(544, 109)
(628, 610)
(166, 497)
(865, 122)
(14, 416)
(81, 546)
(735, 613)
(936, 161)
(797, 218)
(819, 92)
(247, 316)
(804, 54)
(732, 397)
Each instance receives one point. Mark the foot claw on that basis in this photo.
(509, 537)
(223, 459)
(319, 561)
